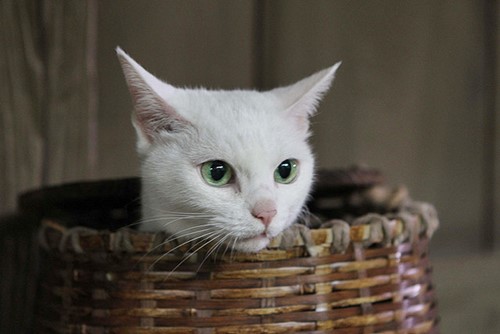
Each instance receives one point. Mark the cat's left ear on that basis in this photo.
(302, 98)
(153, 115)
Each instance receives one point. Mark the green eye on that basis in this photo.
(216, 173)
(286, 172)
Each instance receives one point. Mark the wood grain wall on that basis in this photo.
(48, 94)
(410, 98)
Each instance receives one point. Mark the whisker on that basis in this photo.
(181, 218)
(177, 247)
(232, 249)
(211, 250)
(172, 219)
(203, 228)
(175, 218)
(217, 234)
(228, 244)
(214, 234)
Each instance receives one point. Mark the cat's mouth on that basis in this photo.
(261, 236)
(254, 243)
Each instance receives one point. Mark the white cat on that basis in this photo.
(227, 167)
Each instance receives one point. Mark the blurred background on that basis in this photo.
(416, 96)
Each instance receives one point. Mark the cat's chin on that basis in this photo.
(252, 244)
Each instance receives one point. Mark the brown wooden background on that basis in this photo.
(416, 96)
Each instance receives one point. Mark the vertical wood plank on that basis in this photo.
(491, 153)
(496, 145)
(258, 45)
(47, 96)
(21, 96)
(68, 113)
(497, 130)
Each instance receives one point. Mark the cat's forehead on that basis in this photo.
(248, 114)
(234, 104)
(246, 127)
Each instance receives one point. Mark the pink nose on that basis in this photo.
(265, 211)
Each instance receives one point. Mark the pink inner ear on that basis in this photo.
(302, 123)
(153, 113)
(302, 98)
(159, 117)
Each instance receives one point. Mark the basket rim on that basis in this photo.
(55, 237)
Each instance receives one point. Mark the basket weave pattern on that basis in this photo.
(368, 272)
(102, 282)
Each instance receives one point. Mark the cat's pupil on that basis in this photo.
(285, 169)
(218, 170)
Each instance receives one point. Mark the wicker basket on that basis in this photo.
(96, 281)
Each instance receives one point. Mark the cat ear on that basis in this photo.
(302, 98)
(152, 113)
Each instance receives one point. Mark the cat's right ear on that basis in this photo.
(153, 115)
(302, 98)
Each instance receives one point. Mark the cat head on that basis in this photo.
(229, 168)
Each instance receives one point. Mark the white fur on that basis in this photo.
(179, 129)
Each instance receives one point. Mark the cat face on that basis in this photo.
(228, 168)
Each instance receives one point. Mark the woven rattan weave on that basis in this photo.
(96, 281)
